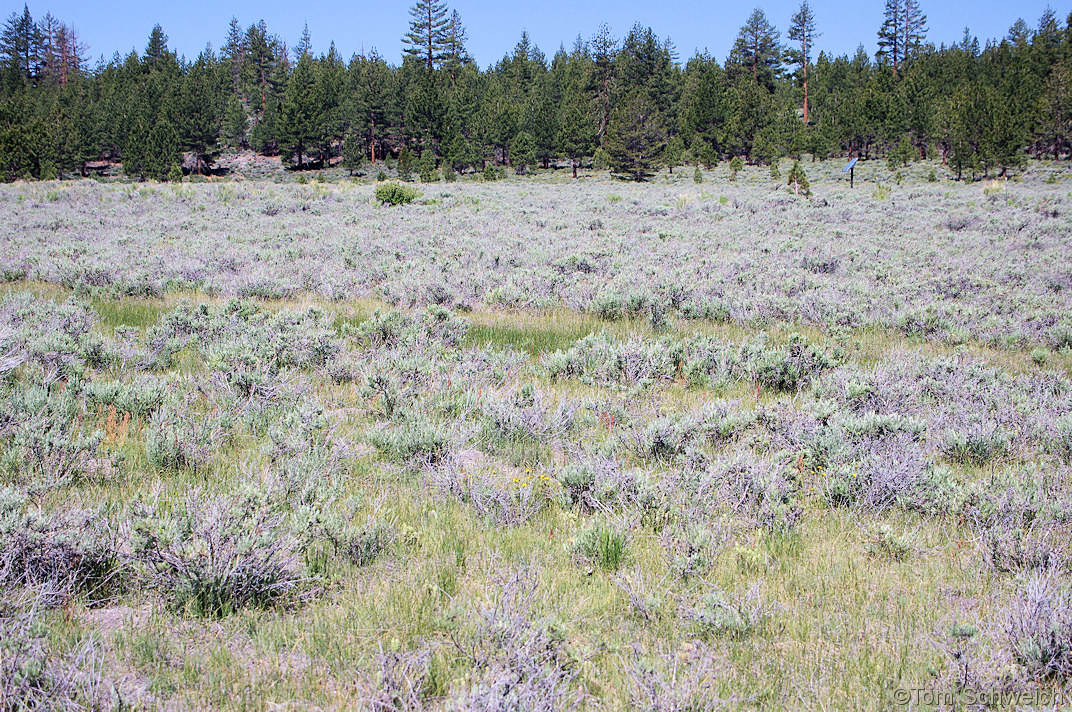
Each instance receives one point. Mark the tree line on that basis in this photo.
(627, 103)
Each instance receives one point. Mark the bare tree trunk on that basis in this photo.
(372, 142)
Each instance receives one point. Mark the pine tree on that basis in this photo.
(757, 49)
(330, 86)
(156, 50)
(1019, 34)
(235, 123)
(371, 107)
(522, 152)
(636, 140)
(454, 38)
(604, 50)
(904, 28)
(47, 51)
(299, 115)
(71, 53)
(201, 110)
(262, 67)
(915, 29)
(577, 134)
(900, 155)
(426, 167)
(353, 152)
(890, 45)
(798, 180)
(305, 44)
(427, 36)
(802, 31)
(234, 52)
(20, 43)
(736, 166)
(545, 101)
(162, 149)
(405, 164)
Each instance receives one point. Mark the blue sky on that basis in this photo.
(494, 27)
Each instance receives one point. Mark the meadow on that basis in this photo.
(538, 444)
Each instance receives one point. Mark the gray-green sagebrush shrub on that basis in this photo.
(600, 360)
(36, 675)
(41, 441)
(1038, 627)
(725, 615)
(789, 367)
(712, 424)
(242, 333)
(525, 416)
(359, 545)
(179, 438)
(882, 473)
(595, 482)
(417, 437)
(213, 555)
(1057, 440)
(140, 396)
(62, 553)
(305, 463)
(434, 326)
(977, 444)
(494, 500)
(692, 547)
(56, 335)
(1014, 549)
(518, 661)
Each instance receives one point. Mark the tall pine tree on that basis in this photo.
(757, 50)
(802, 33)
(299, 114)
(428, 33)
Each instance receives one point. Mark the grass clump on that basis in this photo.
(601, 545)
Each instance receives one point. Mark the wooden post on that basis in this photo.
(852, 172)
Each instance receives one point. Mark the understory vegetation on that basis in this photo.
(502, 449)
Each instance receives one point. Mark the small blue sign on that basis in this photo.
(848, 168)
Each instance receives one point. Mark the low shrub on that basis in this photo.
(61, 554)
(724, 615)
(212, 556)
(1038, 627)
(396, 194)
(177, 438)
(416, 437)
(518, 661)
(976, 445)
(34, 675)
(1058, 438)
